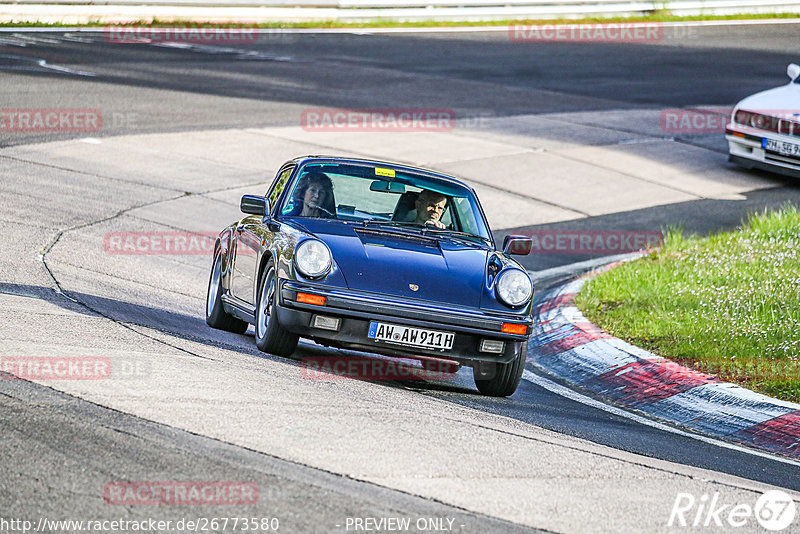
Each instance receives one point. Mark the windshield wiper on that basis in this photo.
(424, 229)
(395, 227)
(455, 233)
(378, 222)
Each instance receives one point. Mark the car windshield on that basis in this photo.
(384, 196)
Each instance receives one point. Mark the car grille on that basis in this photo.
(787, 127)
(791, 160)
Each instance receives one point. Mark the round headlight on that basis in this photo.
(312, 258)
(514, 287)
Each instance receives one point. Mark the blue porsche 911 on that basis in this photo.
(377, 257)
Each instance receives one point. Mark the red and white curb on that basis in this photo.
(565, 344)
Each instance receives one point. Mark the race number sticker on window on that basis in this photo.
(384, 172)
(411, 336)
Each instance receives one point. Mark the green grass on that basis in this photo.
(728, 304)
(661, 16)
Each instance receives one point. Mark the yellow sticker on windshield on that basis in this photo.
(384, 172)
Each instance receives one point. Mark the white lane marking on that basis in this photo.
(214, 50)
(182, 46)
(45, 65)
(6, 42)
(252, 54)
(76, 39)
(446, 29)
(41, 63)
(564, 391)
(34, 40)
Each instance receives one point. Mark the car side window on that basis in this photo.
(279, 185)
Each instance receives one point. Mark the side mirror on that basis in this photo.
(518, 245)
(793, 71)
(254, 205)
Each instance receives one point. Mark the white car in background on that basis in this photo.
(764, 132)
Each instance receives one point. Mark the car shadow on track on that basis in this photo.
(314, 361)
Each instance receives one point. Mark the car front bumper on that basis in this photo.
(745, 149)
(355, 310)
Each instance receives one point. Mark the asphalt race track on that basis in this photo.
(555, 136)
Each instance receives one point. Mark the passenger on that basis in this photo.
(430, 206)
(313, 196)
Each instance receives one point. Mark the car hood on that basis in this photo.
(785, 99)
(405, 263)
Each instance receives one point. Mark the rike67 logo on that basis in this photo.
(775, 510)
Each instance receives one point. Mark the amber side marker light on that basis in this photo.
(738, 134)
(307, 298)
(511, 328)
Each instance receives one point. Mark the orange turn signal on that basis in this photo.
(511, 328)
(307, 298)
(738, 134)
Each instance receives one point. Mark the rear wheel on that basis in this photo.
(216, 317)
(270, 335)
(501, 379)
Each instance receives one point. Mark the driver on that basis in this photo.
(430, 206)
(313, 196)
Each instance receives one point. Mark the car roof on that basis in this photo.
(427, 172)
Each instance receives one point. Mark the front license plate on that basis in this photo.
(781, 147)
(411, 336)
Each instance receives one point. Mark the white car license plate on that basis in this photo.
(781, 147)
(411, 336)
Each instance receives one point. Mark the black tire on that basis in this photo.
(270, 335)
(501, 379)
(216, 317)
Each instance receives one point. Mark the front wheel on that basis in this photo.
(501, 379)
(216, 317)
(270, 335)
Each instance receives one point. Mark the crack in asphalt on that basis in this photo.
(59, 290)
